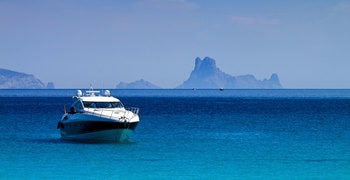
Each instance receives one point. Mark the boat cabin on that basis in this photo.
(90, 100)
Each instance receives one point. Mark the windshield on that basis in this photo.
(77, 107)
(88, 104)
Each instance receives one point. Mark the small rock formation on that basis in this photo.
(50, 85)
(140, 84)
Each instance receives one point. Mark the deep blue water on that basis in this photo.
(185, 134)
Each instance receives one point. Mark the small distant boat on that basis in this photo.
(98, 118)
(221, 89)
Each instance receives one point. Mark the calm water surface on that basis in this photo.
(185, 134)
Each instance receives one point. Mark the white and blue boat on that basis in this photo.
(98, 118)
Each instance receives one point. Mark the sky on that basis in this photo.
(76, 43)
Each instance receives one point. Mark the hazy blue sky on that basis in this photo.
(74, 43)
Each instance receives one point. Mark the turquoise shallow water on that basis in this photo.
(185, 134)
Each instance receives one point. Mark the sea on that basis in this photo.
(184, 134)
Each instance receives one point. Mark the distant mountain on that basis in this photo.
(140, 84)
(206, 75)
(17, 80)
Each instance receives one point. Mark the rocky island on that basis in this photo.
(206, 75)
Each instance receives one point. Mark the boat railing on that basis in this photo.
(134, 110)
(109, 113)
(101, 113)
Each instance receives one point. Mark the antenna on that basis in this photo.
(102, 90)
(91, 91)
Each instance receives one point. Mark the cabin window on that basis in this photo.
(117, 104)
(88, 104)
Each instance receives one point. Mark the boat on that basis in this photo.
(98, 118)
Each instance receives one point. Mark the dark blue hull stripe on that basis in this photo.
(82, 127)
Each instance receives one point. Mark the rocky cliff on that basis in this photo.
(206, 75)
(16, 80)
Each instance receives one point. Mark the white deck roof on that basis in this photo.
(99, 99)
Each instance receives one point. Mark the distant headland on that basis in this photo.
(17, 80)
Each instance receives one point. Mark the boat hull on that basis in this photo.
(97, 131)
